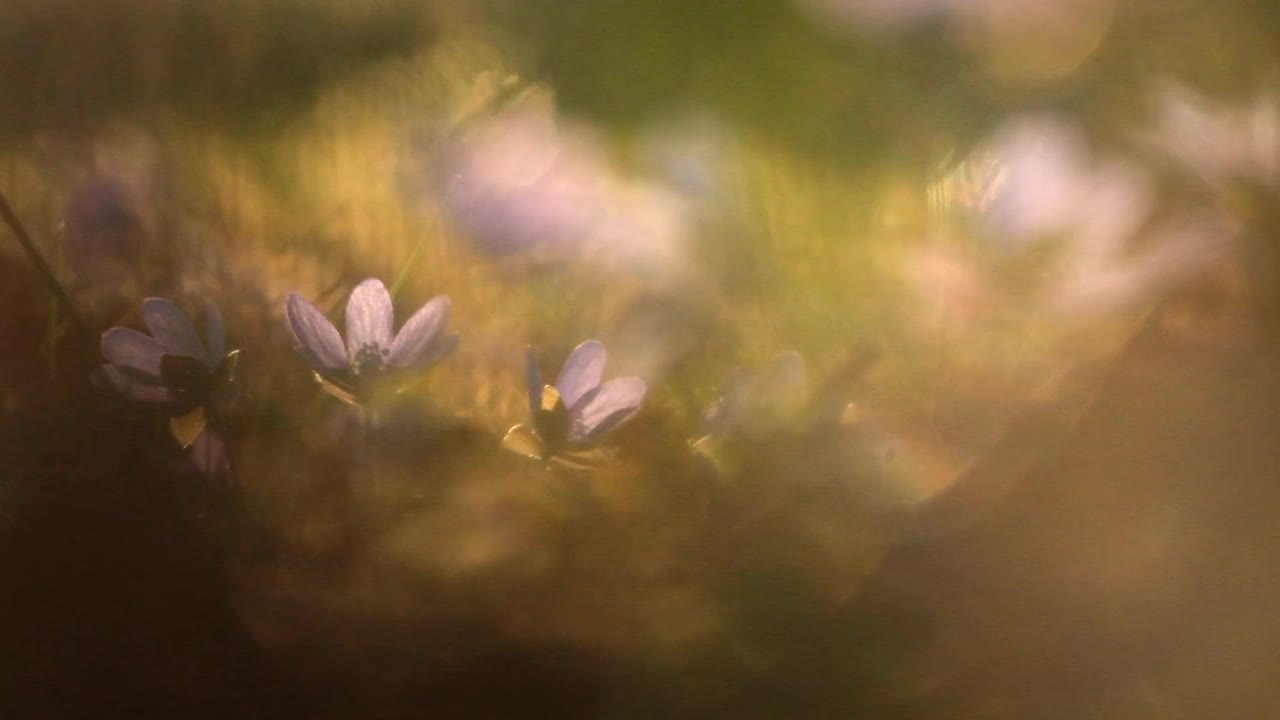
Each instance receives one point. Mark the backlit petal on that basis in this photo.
(581, 372)
(169, 325)
(131, 385)
(369, 316)
(132, 349)
(605, 408)
(317, 339)
(416, 338)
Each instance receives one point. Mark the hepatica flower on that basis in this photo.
(103, 236)
(174, 371)
(519, 181)
(757, 404)
(372, 352)
(573, 416)
(1220, 143)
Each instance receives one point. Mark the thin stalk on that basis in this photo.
(42, 267)
(403, 275)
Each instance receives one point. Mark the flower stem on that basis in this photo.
(42, 267)
(403, 275)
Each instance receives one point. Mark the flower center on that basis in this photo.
(369, 359)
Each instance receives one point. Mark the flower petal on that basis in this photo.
(369, 316)
(215, 338)
(442, 348)
(209, 454)
(129, 384)
(169, 325)
(581, 372)
(606, 407)
(132, 349)
(317, 339)
(419, 333)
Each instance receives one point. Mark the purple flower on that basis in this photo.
(524, 183)
(172, 368)
(519, 181)
(103, 235)
(372, 350)
(175, 371)
(579, 410)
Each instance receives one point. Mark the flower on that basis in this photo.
(757, 404)
(526, 183)
(1219, 143)
(1051, 186)
(1017, 39)
(173, 370)
(578, 411)
(103, 236)
(372, 351)
(519, 181)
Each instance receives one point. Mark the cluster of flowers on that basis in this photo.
(177, 372)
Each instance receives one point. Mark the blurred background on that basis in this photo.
(957, 318)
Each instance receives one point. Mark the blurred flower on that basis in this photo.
(1220, 143)
(371, 351)
(519, 181)
(1092, 283)
(103, 241)
(1017, 39)
(756, 404)
(752, 406)
(691, 152)
(952, 292)
(579, 410)
(102, 231)
(780, 422)
(1042, 176)
(173, 370)
(1050, 187)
